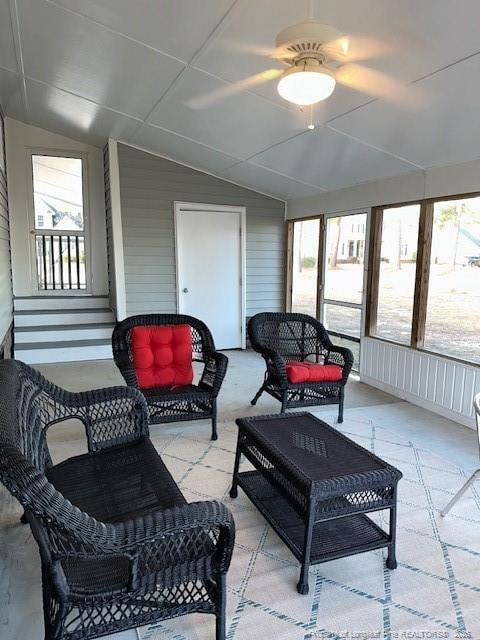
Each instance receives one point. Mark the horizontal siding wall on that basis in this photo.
(441, 385)
(6, 311)
(149, 185)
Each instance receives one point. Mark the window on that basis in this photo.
(305, 266)
(58, 193)
(395, 270)
(343, 269)
(59, 222)
(424, 276)
(453, 302)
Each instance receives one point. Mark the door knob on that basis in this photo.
(185, 290)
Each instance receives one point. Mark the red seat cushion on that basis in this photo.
(162, 355)
(311, 372)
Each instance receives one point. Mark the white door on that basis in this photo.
(209, 269)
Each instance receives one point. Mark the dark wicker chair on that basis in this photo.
(280, 337)
(192, 402)
(119, 545)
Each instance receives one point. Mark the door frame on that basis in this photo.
(59, 153)
(180, 207)
(321, 270)
(321, 299)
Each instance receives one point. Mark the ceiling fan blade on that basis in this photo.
(355, 48)
(275, 53)
(380, 85)
(232, 88)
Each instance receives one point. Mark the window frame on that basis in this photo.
(289, 274)
(422, 272)
(86, 232)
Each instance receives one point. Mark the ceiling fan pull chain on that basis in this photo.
(311, 126)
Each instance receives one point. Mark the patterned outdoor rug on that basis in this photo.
(434, 593)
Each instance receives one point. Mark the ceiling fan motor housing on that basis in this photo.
(306, 41)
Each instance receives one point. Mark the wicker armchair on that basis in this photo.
(283, 337)
(119, 545)
(190, 402)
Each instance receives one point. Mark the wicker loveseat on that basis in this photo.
(119, 545)
(172, 403)
(283, 338)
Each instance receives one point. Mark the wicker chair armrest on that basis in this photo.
(275, 366)
(341, 356)
(112, 416)
(216, 364)
(161, 527)
(191, 542)
(126, 368)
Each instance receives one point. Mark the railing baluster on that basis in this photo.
(44, 249)
(83, 266)
(69, 238)
(78, 261)
(52, 256)
(60, 259)
(38, 253)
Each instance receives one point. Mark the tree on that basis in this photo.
(300, 243)
(398, 255)
(455, 215)
(336, 243)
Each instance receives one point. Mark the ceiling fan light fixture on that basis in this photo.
(306, 84)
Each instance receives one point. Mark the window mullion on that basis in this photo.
(422, 274)
(289, 268)
(375, 242)
(321, 267)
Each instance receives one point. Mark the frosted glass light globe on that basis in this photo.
(306, 85)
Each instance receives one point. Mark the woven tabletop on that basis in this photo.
(315, 451)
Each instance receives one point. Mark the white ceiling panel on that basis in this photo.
(181, 149)
(330, 160)
(107, 53)
(11, 95)
(404, 40)
(8, 59)
(74, 54)
(177, 27)
(268, 182)
(445, 131)
(239, 125)
(74, 117)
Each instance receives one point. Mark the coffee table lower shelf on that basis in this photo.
(331, 539)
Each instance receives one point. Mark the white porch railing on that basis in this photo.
(60, 261)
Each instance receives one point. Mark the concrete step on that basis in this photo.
(69, 351)
(45, 303)
(63, 317)
(63, 333)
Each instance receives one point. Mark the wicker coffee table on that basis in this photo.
(314, 486)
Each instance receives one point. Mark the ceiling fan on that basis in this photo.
(315, 57)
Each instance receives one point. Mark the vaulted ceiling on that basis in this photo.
(90, 69)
